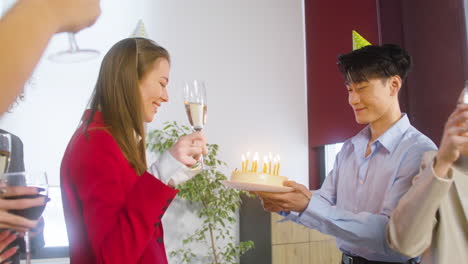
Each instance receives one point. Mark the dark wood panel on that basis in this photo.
(255, 225)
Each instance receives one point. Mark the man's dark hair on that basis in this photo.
(374, 62)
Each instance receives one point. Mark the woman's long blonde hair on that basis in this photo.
(117, 95)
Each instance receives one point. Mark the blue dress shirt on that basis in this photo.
(357, 197)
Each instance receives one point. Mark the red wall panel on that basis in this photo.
(328, 33)
(435, 36)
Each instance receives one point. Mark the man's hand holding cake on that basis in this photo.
(296, 200)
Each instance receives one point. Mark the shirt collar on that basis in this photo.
(389, 139)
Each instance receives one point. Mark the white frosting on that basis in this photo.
(258, 178)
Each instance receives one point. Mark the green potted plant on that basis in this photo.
(217, 203)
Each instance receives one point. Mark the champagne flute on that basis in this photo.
(196, 106)
(5, 151)
(463, 99)
(74, 53)
(38, 180)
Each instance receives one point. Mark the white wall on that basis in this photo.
(249, 52)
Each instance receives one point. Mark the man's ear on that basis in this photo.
(395, 85)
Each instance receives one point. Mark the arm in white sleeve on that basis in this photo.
(171, 171)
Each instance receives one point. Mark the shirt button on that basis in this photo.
(157, 224)
(160, 240)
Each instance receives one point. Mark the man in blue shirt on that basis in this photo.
(374, 168)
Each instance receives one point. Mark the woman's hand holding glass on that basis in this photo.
(188, 149)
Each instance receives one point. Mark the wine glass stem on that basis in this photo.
(202, 159)
(73, 44)
(202, 162)
(28, 248)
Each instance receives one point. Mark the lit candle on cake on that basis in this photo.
(278, 165)
(270, 159)
(275, 165)
(247, 161)
(265, 162)
(255, 162)
(243, 163)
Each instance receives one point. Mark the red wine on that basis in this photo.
(32, 213)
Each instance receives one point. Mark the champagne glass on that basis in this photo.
(74, 53)
(463, 99)
(196, 106)
(38, 180)
(5, 151)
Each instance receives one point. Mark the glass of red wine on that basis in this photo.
(31, 179)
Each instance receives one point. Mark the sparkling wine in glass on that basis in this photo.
(38, 180)
(74, 53)
(196, 106)
(5, 151)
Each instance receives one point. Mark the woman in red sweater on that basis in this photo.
(113, 206)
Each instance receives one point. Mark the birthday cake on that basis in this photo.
(268, 176)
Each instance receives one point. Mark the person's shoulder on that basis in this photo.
(347, 144)
(13, 136)
(91, 134)
(346, 149)
(87, 149)
(416, 140)
(94, 139)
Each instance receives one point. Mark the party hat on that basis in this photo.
(140, 30)
(359, 41)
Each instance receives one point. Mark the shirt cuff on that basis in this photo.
(288, 216)
(171, 171)
(316, 210)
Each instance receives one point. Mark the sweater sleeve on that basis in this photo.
(410, 228)
(119, 223)
(171, 171)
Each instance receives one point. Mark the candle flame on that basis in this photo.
(255, 157)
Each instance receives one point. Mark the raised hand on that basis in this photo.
(73, 15)
(454, 140)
